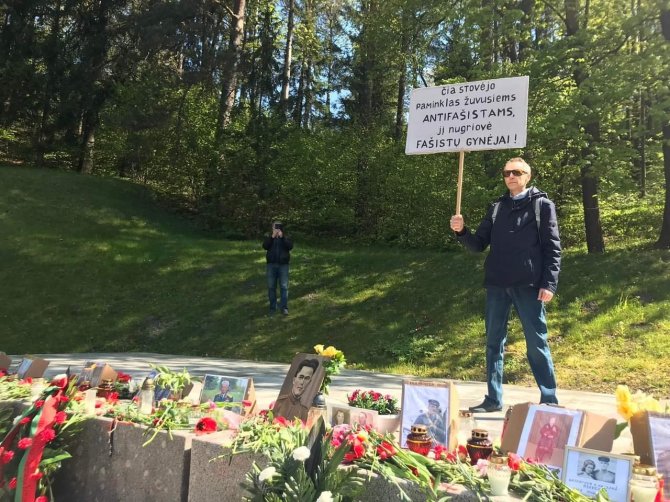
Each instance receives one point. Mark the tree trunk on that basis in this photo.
(589, 181)
(85, 164)
(664, 238)
(525, 45)
(402, 79)
(229, 71)
(288, 53)
(41, 136)
(307, 114)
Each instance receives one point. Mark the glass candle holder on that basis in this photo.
(643, 484)
(418, 440)
(466, 422)
(499, 475)
(89, 401)
(479, 446)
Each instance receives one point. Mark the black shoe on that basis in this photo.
(485, 407)
(284, 311)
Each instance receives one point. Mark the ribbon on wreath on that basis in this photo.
(44, 417)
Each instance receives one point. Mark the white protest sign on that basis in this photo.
(483, 115)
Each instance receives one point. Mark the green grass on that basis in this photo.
(93, 264)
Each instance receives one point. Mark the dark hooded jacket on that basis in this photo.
(519, 254)
(278, 249)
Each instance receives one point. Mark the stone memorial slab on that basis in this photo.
(114, 466)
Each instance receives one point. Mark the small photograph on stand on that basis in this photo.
(546, 433)
(339, 414)
(589, 471)
(159, 392)
(300, 386)
(224, 389)
(361, 417)
(426, 403)
(659, 429)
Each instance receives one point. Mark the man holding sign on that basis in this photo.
(521, 270)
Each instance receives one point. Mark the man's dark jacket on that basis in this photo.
(519, 255)
(278, 249)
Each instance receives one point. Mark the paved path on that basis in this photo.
(268, 378)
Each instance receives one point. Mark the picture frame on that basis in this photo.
(227, 389)
(31, 367)
(338, 414)
(95, 372)
(362, 417)
(430, 403)
(301, 384)
(5, 361)
(589, 471)
(547, 431)
(659, 428)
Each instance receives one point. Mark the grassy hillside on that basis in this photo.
(92, 264)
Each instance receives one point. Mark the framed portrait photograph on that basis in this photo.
(362, 417)
(224, 389)
(339, 414)
(589, 471)
(547, 431)
(659, 431)
(301, 384)
(426, 403)
(32, 367)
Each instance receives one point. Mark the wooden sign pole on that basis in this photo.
(459, 187)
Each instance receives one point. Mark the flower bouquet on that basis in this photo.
(336, 361)
(125, 385)
(386, 406)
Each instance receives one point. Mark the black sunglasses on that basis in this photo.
(515, 172)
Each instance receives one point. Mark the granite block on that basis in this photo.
(114, 466)
(216, 474)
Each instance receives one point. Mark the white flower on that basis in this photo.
(325, 497)
(301, 454)
(266, 474)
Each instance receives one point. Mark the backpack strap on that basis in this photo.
(538, 207)
(537, 203)
(496, 206)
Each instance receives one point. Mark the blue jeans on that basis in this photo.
(277, 273)
(531, 312)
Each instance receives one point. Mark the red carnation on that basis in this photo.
(205, 425)
(6, 457)
(59, 382)
(25, 420)
(357, 451)
(39, 403)
(386, 450)
(42, 498)
(3, 372)
(60, 417)
(113, 397)
(48, 435)
(281, 421)
(123, 377)
(25, 443)
(63, 399)
(12, 483)
(514, 461)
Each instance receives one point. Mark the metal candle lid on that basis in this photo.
(644, 470)
(419, 429)
(148, 384)
(480, 433)
(498, 459)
